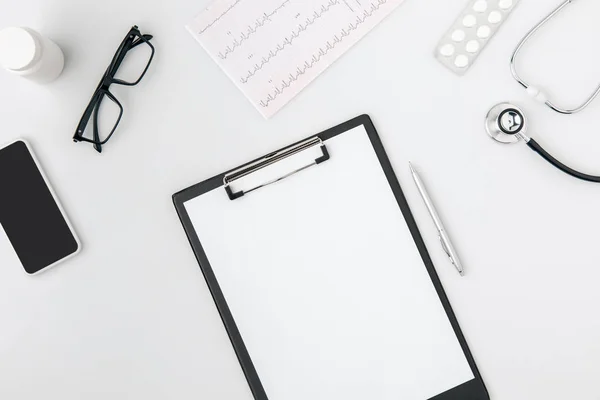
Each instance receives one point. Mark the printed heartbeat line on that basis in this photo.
(251, 30)
(219, 17)
(322, 53)
(288, 40)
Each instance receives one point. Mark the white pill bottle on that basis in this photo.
(25, 52)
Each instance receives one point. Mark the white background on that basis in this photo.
(131, 316)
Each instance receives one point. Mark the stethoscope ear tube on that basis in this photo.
(535, 92)
(533, 145)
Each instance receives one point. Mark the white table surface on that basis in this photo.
(131, 316)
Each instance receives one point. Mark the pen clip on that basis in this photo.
(443, 242)
(453, 260)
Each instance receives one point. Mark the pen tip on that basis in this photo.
(411, 166)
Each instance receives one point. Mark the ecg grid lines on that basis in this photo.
(301, 70)
(251, 30)
(291, 39)
(201, 31)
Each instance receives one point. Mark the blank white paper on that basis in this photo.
(272, 49)
(326, 285)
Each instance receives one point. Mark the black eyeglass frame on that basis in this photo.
(133, 39)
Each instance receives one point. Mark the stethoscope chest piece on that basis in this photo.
(506, 123)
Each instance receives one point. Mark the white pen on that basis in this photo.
(444, 239)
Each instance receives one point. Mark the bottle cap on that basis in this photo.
(19, 49)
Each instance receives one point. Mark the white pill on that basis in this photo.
(495, 17)
(505, 4)
(447, 50)
(469, 21)
(461, 61)
(484, 32)
(472, 46)
(480, 6)
(458, 35)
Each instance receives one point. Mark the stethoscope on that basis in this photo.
(506, 123)
(532, 90)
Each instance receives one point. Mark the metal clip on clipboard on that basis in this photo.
(271, 159)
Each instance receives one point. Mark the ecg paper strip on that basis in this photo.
(272, 49)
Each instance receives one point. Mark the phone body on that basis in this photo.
(30, 214)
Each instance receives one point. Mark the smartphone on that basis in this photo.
(31, 217)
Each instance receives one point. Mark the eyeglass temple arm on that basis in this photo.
(513, 64)
(139, 41)
(97, 145)
(87, 115)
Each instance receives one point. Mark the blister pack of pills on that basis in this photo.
(471, 32)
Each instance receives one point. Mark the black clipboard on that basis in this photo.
(472, 390)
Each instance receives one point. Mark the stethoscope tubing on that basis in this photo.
(494, 123)
(535, 146)
(515, 74)
(506, 123)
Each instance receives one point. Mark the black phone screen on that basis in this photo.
(31, 218)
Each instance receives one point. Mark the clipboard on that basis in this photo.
(315, 264)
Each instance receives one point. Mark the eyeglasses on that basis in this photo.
(106, 115)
